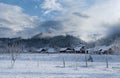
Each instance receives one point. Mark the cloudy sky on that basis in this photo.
(82, 18)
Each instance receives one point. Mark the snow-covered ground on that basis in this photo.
(51, 66)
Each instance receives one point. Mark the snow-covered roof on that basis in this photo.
(77, 48)
(104, 48)
(66, 49)
(63, 49)
(51, 50)
(91, 50)
(40, 49)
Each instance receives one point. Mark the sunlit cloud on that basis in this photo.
(81, 18)
(13, 17)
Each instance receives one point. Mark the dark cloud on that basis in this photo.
(5, 21)
(114, 31)
(5, 32)
(5, 29)
(48, 25)
(43, 27)
(112, 34)
(81, 15)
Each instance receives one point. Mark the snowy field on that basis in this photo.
(51, 66)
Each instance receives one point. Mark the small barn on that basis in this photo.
(70, 50)
(83, 50)
(100, 50)
(105, 50)
(67, 50)
(91, 51)
(63, 50)
(77, 49)
(41, 50)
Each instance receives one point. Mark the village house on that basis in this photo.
(83, 50)
(67, 50)
(105, 50)
(100, 50)
(41, 50)
(77, 49)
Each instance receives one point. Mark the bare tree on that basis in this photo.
(14, 48)
(63, 62)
